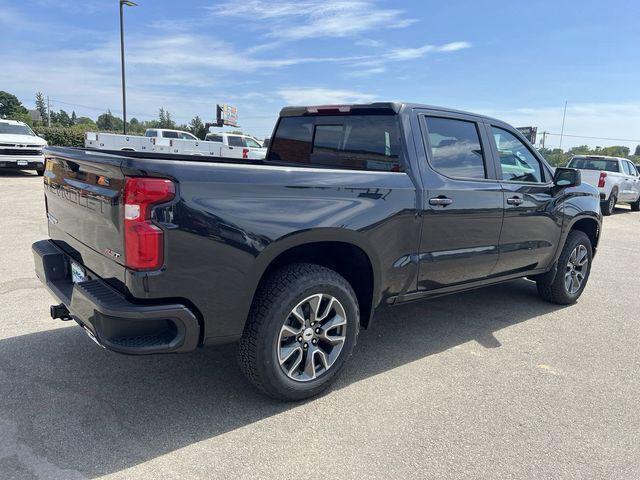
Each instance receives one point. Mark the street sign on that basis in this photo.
(227, 115)
(530, 133)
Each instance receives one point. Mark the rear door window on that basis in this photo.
(359, 142)
(455, 146)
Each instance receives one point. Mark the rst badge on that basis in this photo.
(111, 253)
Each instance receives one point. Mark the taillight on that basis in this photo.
(603, 179)
(144, 241)
(245, 153)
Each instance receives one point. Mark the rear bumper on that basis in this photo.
(112, 320)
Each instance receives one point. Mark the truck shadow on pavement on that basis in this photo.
(69, 409)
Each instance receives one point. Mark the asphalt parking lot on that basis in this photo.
(492, 384)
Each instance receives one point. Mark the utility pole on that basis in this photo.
(564, 116)
(124, 89)
(544, 138)
(48, 112)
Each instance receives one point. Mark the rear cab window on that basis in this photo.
(170, 135)
(357, 142)
(595, 163)
(151, 133)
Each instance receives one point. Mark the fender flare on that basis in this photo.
(306, 237)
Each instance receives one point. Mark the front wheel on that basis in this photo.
(574, 267)
(302, 328)
(635, 206)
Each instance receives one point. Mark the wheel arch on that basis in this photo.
(589, 226)
(347, 252)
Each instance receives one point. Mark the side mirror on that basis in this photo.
(567, 177)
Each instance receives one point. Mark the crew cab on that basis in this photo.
(237, 146)
(355, 208)
(20, 147)
(617, 179)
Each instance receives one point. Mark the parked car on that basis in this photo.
(616, 178)
(20, 147)
(355, 208)
(237, 146)
(154, 140)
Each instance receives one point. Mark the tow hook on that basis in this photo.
(60, 312)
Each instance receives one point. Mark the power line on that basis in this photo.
(595, 138)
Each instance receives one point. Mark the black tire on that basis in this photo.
(608, 206)
(278, 296)
(40, 171)
(552, 286)
(635, 206)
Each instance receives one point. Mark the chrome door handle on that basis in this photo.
(442, 201)
(514, 201)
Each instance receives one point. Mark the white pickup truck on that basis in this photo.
(237, 146)
(159, 140)
(616, 178)
(20, 148)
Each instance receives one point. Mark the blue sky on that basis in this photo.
(515, 60)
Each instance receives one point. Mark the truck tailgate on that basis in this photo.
(591, 177)
(83, 198)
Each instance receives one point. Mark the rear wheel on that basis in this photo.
(301, 330)
(40, 170)
(574, 267)
(608, 206)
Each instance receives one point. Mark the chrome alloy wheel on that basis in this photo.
(312, 337)
(576, 269)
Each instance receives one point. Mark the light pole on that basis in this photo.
(124, 89)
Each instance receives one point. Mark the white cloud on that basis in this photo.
(315, 18)
(413, 53)
(322, 96)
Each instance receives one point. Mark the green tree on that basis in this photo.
(41, 106)
(74, 118)
(165, 120)
(616, 151)
(86, 121)
(63, 119)
(637, 152)
(196, 126)
(10, 105)
(109, 122)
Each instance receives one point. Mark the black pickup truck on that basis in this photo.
(356, 207)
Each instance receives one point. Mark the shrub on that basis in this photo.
(62, 137)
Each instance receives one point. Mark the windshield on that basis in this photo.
(13, 129)
(601, 164)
